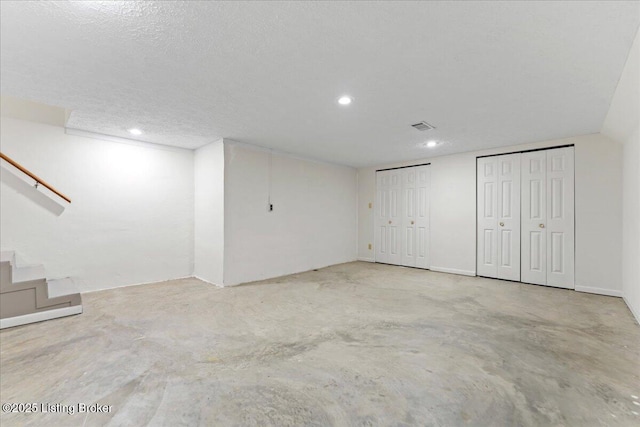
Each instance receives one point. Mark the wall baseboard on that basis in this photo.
(10, 322)
(599, 291)
(366, 259)
(635, 314)
(136, 284)
(453, 271)
(207, 282)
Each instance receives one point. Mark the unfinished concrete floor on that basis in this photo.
(353, 344)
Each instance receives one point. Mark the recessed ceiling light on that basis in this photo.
(135, 131)
(345, 100)
(432, 144)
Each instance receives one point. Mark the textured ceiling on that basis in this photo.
(486, 74)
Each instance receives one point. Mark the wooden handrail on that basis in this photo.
(37, 179)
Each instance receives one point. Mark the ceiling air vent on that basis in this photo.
(423, 126)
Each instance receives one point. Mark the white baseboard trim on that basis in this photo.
(453, 271)
(635, 314)
(208, 282)
(366, 259)
(40, 316)
(136, 284)
(599, 291)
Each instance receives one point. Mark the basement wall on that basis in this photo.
(623, 125)
(131, 216)
(313, 222)
(598, 164)
(209, 213)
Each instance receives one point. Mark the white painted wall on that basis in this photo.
(313, 223)
(209, 213)
(453, 210)
(131, 216)
(623, 124)
(598, 169)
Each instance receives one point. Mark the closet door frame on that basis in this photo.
(384, 220)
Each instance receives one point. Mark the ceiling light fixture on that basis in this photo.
(135, 131)
(432, 144)
(345, 100)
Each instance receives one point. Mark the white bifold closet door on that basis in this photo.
(548, 217)
(387, 220)
(498, 237)
(526, 217)
(402, 216)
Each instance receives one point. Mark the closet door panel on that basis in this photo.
(381, 219)
(408, 213)
(560, 218)
(534, 214)
(423, 207)
(508, 215)
(487, 217)
(394, 222)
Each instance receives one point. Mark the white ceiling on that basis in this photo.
(486, 74)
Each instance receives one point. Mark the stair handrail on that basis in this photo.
(33, 176)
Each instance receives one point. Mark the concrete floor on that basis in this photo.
(353, 344)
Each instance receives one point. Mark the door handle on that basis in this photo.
(389, 222)
(541, 225)
(411, 222)
(502, 224)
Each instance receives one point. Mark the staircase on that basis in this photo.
(27, 297)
